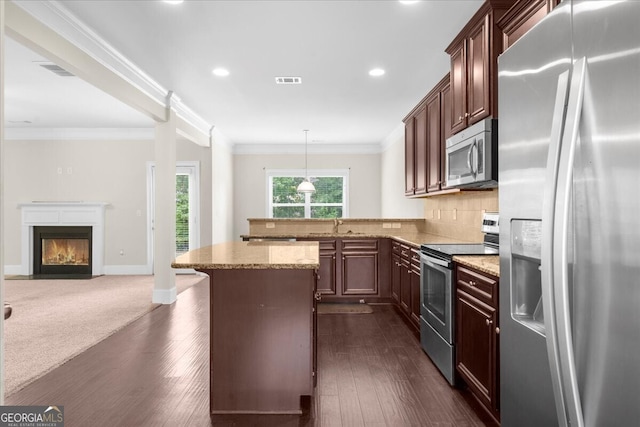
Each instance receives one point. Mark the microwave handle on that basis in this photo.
(469, 154)
(470, 157)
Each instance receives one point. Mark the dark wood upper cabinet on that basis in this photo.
(425, 142)
(522, 17)
(409, 156)
(474, 76)
(433, 142)
(421, 150)
(445, 128)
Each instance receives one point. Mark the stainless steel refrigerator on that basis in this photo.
(569, 168)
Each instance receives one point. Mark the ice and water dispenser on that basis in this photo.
(526, 276)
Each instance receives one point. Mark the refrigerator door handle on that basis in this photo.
(561, 245)
(548, 205)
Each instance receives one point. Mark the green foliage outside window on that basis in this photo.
(182, 214)
(326, 202)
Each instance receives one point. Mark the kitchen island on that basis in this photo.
(262, 345)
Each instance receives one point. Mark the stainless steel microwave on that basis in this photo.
(472, 156)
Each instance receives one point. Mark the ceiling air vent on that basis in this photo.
(56, 69)
(288, 80)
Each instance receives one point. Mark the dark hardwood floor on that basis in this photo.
(154, 372)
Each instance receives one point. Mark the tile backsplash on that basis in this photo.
(459, 215)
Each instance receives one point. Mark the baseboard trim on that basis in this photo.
(165, 296)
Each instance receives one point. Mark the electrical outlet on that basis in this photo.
(455, 214)
(270, 225)
(386, 225)
(396, 225)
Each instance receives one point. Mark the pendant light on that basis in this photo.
(306, 186)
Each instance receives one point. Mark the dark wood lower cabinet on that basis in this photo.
(414, 284)
(327, 271)
(262, 339)
(477, 334)
(360, 267)
(395, 278)
(354, 269)
(405, 281)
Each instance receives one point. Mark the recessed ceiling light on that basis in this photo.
(409, 1)
(220, 72)
(173, 1)
(376, 72)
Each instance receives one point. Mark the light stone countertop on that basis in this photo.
(412, 239)
(252, 255)
(489, 264)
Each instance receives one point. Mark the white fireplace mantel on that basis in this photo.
(88, 214)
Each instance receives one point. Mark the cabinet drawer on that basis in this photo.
(327, 245)
(415, 258)
(483, 287)
(401, 249)
(359, 245)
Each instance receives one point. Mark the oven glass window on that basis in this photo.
(435, 293)
(459, 162)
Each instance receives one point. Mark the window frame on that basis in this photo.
(314, 173)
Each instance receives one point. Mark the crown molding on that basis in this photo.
(312, 149)
(78, 134)
(395, 135)
(59, 19)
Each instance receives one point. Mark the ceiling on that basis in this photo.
(331, 45)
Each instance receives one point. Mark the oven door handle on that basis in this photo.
(431, 261)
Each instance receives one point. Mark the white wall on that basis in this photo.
(250, 186)
(394, 203)
(103, 171)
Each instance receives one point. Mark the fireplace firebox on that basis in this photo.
(62, 252)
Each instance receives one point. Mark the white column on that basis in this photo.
(164, 290)
(2, 200)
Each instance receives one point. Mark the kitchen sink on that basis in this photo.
(347, 233)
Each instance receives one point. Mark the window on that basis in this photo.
(187, 206)
(329, 200)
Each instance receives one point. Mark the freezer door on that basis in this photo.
(527, 89)
(606, 214)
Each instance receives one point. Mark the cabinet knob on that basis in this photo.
(498, 330)
(318, 296)
(460, 118)
(489, 322)
(466, 114)
(472, 283)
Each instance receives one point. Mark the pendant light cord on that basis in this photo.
(306, 171)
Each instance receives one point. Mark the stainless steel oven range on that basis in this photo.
(437, 294)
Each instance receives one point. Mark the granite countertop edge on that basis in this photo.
(252, 266)
(489, 264)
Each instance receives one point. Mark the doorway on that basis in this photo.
(187, 208)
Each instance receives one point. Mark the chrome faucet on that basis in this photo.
(336, 223)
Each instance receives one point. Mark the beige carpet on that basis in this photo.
(55, 320)
(338, 308)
